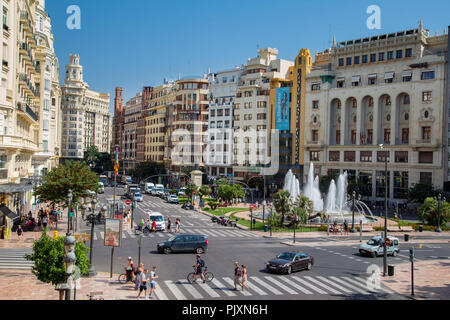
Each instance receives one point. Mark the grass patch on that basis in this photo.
(416, 226)
(222, 211)
(259, 226)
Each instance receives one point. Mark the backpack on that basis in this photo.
(202, 263)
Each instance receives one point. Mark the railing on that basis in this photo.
(5, 27)
(423, 141)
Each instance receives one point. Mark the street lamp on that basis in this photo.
(70, 258)
(92, 218)
(385, 210)
(70, 198)
(353, 198)
(439, 200)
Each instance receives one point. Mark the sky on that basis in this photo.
(138, 43)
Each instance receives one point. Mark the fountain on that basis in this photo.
(336, 204)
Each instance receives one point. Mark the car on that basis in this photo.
(288, 262)
(137, 196)
(184, 243)
(101, 188)
(173, 199)
(374, 247)
(158, 218)
(182, 192)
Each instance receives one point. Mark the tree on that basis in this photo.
(283, 204)
(238, 192)
(91, 156)
(213, 204)
(48, 257)
(147, 169)
(305, 204)
(76, 176)
(420, 191)
(225, 192)
(204, 191)
(428, 212)
(302, 215)
(190, 188)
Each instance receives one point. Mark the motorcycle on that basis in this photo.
(187, 206)
(138, 230)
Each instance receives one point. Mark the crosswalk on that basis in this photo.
(15, 259)
(293, 285)
(150, 205)
(211, 233)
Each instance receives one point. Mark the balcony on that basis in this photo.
(26, 110)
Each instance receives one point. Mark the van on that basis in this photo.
(159, 188)
(127, 180)
(130, 189)
(374, 247)
(184, 243)
(158, 218)
(149, 187)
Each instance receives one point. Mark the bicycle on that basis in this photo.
(123, 278)
(209, 276)
(95, 296)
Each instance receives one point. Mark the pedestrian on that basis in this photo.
(143, 285)
(177, 225)
(169, 223)
(153, 277)
(30, 215)
(346, 226)
(19, 232)
(244, 278)
(44, 222)
(137, 277)
(237, 274)
(154, 226)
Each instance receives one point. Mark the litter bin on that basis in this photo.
(391, 270)
(420, 228)
(266, 228)
(55, 234)
(406, 237)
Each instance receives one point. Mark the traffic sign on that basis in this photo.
(128, 202)
(252, 206)
(388, 242)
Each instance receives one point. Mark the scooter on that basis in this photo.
(187, 206)
(138, 230)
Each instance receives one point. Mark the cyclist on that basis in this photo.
(129, 269)
(199, 265)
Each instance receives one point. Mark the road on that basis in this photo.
(339, 272)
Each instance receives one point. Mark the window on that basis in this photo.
(314, 156)
(389, 77)
(227, 112)
(399, 54)
(373, 57)
(349, 156)
(338, 136)
(400, 185)
(220, 112)
(315, 135)
(248, 116)
(381, 156)
(372, 79)
(315, 87)
(315, 104)
(369, 136)
(341, 62)
(401, 156)
(349, 61)
(426, 157)
(387, 136)
(381, 56)
(364, 59)
(356, 60)
(408, 52)
(390, 55)
(427, 75)
(212, 113)
(261, 104)
(365, 182)
(334, 156)
(426, 133)
(427, 96)
(44, 145)
(340, 83)
(237, 106)
(261, 116)
(405, 135)
(45, 125)
(381, 184)
(366, 156)
(426, 178)
(237, 117)
(355, 81)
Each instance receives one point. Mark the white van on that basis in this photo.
(158, 218)
(159, 188)
(149, 187)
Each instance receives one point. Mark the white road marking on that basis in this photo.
(267, 286)
(231, 283)
(222, 287)
(176, 292)
(313, 287)
(190, 288)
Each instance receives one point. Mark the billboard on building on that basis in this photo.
(283, 112)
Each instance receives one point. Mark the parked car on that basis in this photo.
(288, 262)
(158, 218)
(137, 196)
(173, 199)
(184, 243)
(374, 247)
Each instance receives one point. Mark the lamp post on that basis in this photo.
(70, 258)
(353, 197)
(385, 210)
(92, 218)
(271, 221)
(70, 198)
(439, 200)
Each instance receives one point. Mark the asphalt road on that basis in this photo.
(339, 271)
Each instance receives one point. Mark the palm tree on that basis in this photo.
(283, 204)
(305, 204)
(92, 155)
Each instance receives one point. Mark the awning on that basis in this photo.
(372, 76)
(407, 73)
(389, 75)
(15, 188)
(356, 79)
(340, 79)
(5, 211)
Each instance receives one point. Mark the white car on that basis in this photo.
(158, 218)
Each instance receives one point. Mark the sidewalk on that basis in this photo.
(431, 280)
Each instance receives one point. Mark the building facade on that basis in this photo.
(132, 112)
(389, 90)
(85, 115)
(117, 126)
(223, 88)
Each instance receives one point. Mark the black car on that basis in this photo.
(288, 262)
(184, 243)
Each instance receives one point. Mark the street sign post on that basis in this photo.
(139, 241)
(411, 258)
(388, 242)
(128, 202)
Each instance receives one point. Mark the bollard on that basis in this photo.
(55, 234)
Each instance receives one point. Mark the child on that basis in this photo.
(19, 231)
(143, 286)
